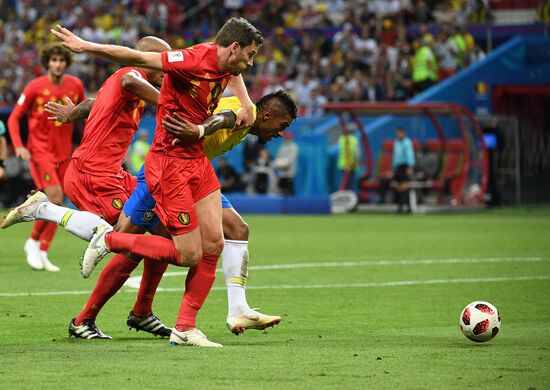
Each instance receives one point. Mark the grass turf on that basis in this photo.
(350, 319)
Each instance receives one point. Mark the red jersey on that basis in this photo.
(192, 86)
(47, 139)
(111, 126)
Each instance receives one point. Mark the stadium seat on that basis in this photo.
(383, 167)
(450, 180)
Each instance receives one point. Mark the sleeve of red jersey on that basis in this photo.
(23, 104)
(180, 62)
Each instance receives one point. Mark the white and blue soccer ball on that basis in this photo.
(479, 321)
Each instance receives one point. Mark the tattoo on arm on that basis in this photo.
(81, 111)
(223, 120)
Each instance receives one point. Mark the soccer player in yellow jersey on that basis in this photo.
(273, 114)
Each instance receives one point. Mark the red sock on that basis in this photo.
(147, 246)
(47, 235)
(152, 274)
(37, 227)
(111, 279)
(197, 286)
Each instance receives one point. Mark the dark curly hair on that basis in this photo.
(51, 49)
(284, 98)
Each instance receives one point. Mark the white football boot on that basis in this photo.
(25, 212)
(32, 250)
(97, 249)
(251, 319)
(48, 266)
(191, 337)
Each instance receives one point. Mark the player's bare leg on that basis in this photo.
(208, 242)
(235, 268)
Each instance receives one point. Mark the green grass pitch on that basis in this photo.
(368, 301)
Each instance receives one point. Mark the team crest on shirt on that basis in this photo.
(147, 216)
(184, 218)
(117, 203)
(47, 176)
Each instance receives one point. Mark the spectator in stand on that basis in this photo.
(425, 65)
(458, 39)
(477, 54)
(315, 107)
(286, 161)
(422, 13)
(263, 174)
(251, 152)
(445, 51)
(227, 175)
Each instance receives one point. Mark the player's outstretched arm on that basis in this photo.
(184, 130)
(122, 55)
(69, 113)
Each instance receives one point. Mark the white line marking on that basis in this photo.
(134, 281)
(310, 286)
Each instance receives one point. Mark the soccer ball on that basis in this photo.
(479, 321)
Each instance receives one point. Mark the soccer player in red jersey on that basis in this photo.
(49, 144)
(179, 175)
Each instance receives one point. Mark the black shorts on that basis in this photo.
(400, 174)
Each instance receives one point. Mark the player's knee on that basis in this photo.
(214, 246)
(188, 257)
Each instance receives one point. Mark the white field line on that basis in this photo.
(350, 285)
(317, 286)
(134, 281)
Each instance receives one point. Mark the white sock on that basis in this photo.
(235, 270)
(79, 223)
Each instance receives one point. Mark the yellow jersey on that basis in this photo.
(225, 139)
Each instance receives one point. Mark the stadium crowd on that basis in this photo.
(318, 50)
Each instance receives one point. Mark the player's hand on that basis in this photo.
(180, 128)
(70, 40)
(23, 153)
(2, 172)
(60, 112)
(245, 117)
(410, 172)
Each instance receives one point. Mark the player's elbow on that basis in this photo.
(128, 82)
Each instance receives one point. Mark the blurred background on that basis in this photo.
(468, 81)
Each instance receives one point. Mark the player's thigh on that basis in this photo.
(43, 173)
(125, 225)
(209, 214)
(234, 226)
(189, 247)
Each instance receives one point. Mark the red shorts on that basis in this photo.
(46, 173)
(99, 194)
(177, 184)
